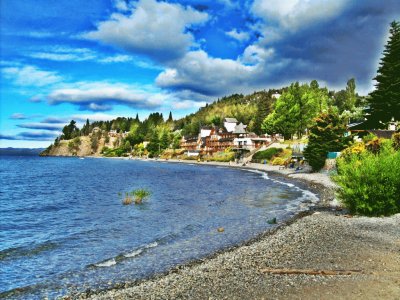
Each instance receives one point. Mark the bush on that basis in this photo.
(222, 157)
(370, 183)
(396, 141)
(278, 161)
(266, 154)
(117, 152)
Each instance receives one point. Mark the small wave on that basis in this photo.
(133, 253)
(12, 253)
(151, 245)
(107, 263)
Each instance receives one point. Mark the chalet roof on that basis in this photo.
(231, 120)
(240, 129)
(190, 138)
(386, 134)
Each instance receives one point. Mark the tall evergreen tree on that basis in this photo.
(264, 108)
(384, 102)
(170, 117)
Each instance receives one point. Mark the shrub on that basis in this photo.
(278, 161)
(355, 149)
(396, 141)
(374, 145)
(266, 154)
(370, 183)
(222, 157)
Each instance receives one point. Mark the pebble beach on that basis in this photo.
(365, 253)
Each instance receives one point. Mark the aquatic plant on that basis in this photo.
(140, 195)
(127, 199)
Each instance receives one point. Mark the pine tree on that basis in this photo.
(170, 117)
(384, 102)
(264, 108)
(327, 135)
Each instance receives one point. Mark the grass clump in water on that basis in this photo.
(140, 195)
(136, 196)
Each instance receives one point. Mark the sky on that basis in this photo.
(99, 59)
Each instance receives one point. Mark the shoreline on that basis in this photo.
(320, 238)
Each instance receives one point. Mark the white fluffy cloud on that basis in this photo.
(296, 14)
(99, 96)
(241, 36)
(187, 104)
(31, 76)
(200, 73)
(155, 29)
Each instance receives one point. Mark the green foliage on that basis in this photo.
(278, 161)
(94, 143)
(345, 100)
(384, 101)
(326, 135)
(295, 110)
(116, 152)
(140, 195)
(221, 157)
(73, 145)
(396, 141)
(266, 154)
(70, 131)
(370, 183)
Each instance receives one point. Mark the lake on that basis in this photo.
(63, 227)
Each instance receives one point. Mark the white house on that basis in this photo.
(205, 131)
(230, 124)
(276, 95)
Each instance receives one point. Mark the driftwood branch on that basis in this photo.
(309, 271)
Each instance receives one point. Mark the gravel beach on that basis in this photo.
(324, 239)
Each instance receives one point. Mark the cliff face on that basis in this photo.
(82, 148)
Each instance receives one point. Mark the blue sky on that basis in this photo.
(99, 59)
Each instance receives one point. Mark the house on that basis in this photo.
(190, 143)
(205, 131)
(113, 133)
(276, 95)
(218, 140)
(230, 124)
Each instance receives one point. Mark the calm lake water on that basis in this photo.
(63, 227)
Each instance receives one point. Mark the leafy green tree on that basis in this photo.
(295, 110)
(127, 146)
(154, 145)
(351, 95)
(326, 135)
(384, 101)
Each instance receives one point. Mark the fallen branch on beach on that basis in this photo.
(309, 272)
